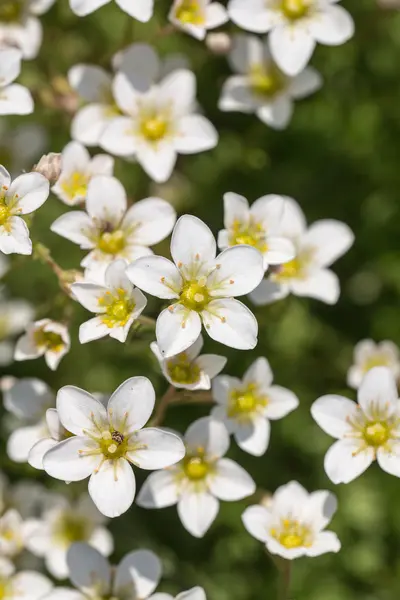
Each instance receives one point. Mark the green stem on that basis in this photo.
(285, 578)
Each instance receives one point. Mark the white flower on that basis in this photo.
(28, 399)
(200, 480)
(15, 315)
(44, 338)
(23, 196)
(196, 593)
(293, 522)
(159, 122)
(19, 26)
(367, 431)
(188, 370)
(197, 16)
(316, 249)
(118, 303)
(110, 230)
(77, 170)
(62, 524)
(142, 10)
(12, 533)
(261, 87)
(246, 406)
(25, 585)
(294, 26)
(106, 440)
(368, 354)
(15, 99)
(256, 226)
(202, 287)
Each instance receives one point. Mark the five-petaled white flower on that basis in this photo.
(202, 287)
(291, 523)
(61, 524)
(188, 370)
(77, 169)
(316, 249)
(117, 304)
(107, 440)
(294, 26)
(368, 354)
(367, 431)
(261, 87)
(246, 406)
(112, 231)
(256, 226)
(136, 576)
(200, 480)
(159, 122)
(24, 585)
(197, 16)
(19, 26)
(142, 10)
(44, 338)
(24, 195)
(15, 99)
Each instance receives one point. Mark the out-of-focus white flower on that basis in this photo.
(44, 338)
(196, 593)
(257, 226)
(15, 315)
(202, 287)
(195, 17)
(368, 354)
(142, 10)
(140, 60)
(12, 533)
(112, 231)
(293, 523)
(19, 26)
(136, 576)
(200, 480)
(77, 169)
(317, 247)
(158, 123)
(188, 370)
(261, 87)
(117, 304)
(15, 99)
(23, 196)
(294, 26)
(107, 440)
(246, 406)
(63, 524)
(367, 431)
(24, 585)
(28, 399)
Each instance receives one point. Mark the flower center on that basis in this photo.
(252, 235)
(378, 360)
(376, 433)
(69, 529)
(291, 534)
(6, 588)
(5, 212)
(154, 128)
(113, 444)
(266, 81)
(181, 370)
(112, 242)
(118, 306)
(194, 296)
(245, 402)
(11, 12)
(49, 339)
(75, 185)
(295, 9)
(196, 467)
(190, 11)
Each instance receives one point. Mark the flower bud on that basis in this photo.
(219, 43)
(49, 166)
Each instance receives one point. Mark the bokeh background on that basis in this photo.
(340, 158)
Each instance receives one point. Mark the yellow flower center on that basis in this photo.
(113, 444)
(376, 433)
(291, 534)
(154, 128)
(51, 340)
(194, 296)
(266, 81)
(295, 9)
(378, 360)
(118, 306)
(181, 370)
(6, 588)
(5, 213)
(196, 467)
(190, 11)
(252, 234)
(75, 185)
(70, 528)
(11, 12)
(245, 402)
(112, 242)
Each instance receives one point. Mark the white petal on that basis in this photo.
(88, 568)
(10, 65)
(345, 461)
(142, 10)
(377, 394)
(332, 413)
(195, 134)
(256, 520)
(223, 386)
(197, 511)
(153, 218)
(246, 50)
(239, 270)
(230, 481)
(196, 593)
(28, 398)
(280, 250)
(88, 294)
(159, 490)
(328, 240)
(140, 59)
(216, 15)
(322, 285)
(178, 89)
(113, 487)
(74, 226)
(38, 450)
(305, 83)
(102, 540)
(16, 99)
(192, 241)
(102, 164)
(15, 237)
(211, 364)
(332, 26)
(140, 570)
(94, 329)
(31, 585)
(118, 137)
(291, 48)
(131, 405)
(156, 449)
(276, 113)
(22, 440)
(78, 410)
(89, 81)
(280, 402)
(89, 124)
(158, 160)
(389, 461)
(65, 462)
(177, 329)
(125, 93)
(268, 292)
(320, 508)
(236, 208)
(237, 95)
(253, 436)
(253, 15)
(259, 373)
(326, 541)
(106, 199)
(156, 275)
(210, 434)
(115, 276)
(61, 593)
(230, 322)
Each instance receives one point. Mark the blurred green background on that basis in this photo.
(340, 158)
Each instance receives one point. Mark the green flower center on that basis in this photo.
(295, 9)
(376, 433)
(113, 444)
(194, 296)
(49, 339)
(196, 467)
(112, 242)
(154, 128)
(75, 185)
(70, 528)
(119, 307)
(190, 11)
(245, 402)
(252, 234)
(181, 370)
(291, 534)
(379, 360)
(266, 81)
(11, 12)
